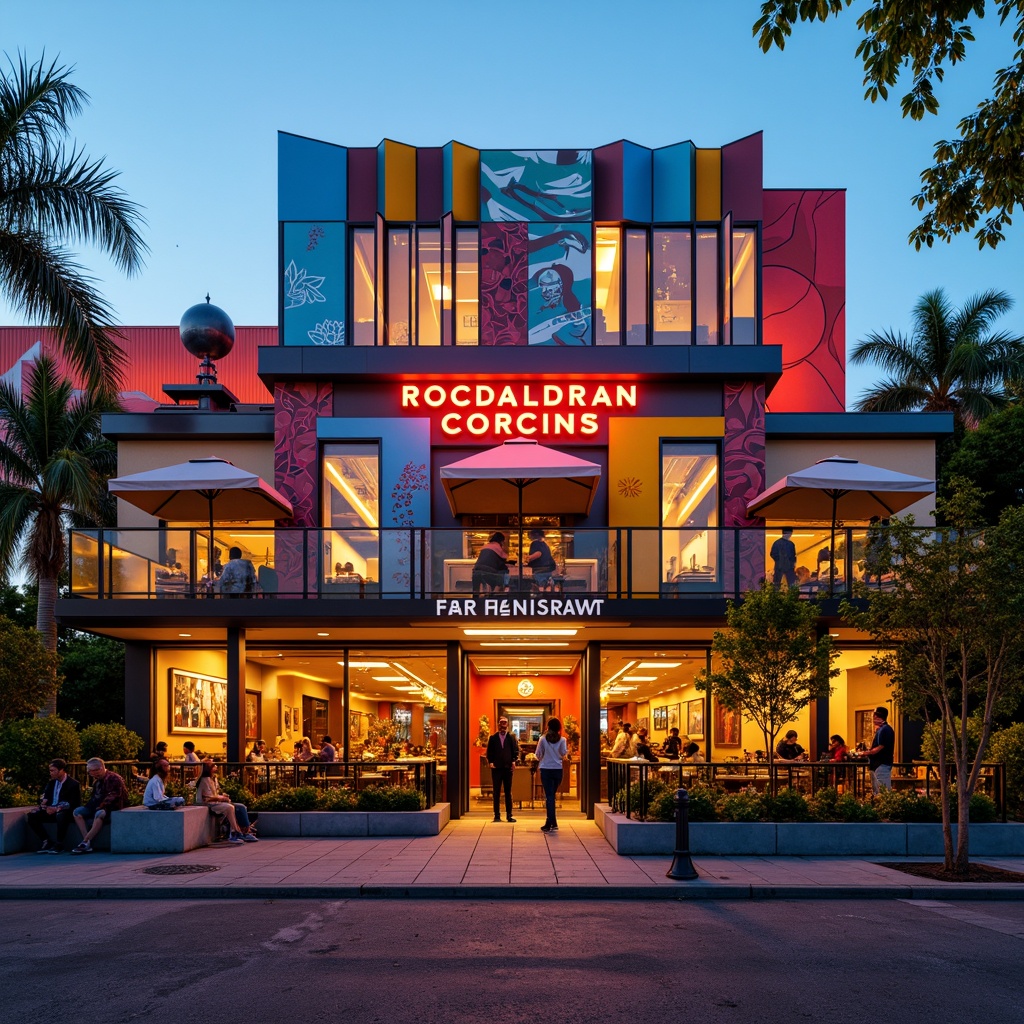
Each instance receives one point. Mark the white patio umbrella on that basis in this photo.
(543, 481)
(839, 488)
(202, 489)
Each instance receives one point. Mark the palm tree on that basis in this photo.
(54, 463)
(49, 195)
(950, 363)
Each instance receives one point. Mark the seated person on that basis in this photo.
(258, 754)
(346, 572)
(61, 795)
(155, 797)
(643, 747)
(238, 576)
(490, 570)
(803, 575)
(789, 750)
(540, 560)
(236, 815)
(327, 750)
(109, 794)
(672, 745)
(691, 753)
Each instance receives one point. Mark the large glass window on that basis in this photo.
(672, 273)
(467, 286)
(363, 285)
(707, 286)
(636, 288)
(399, 287)
(744, 286)
(689, 516)
(608, 286)
(429, 288)
(351, 510)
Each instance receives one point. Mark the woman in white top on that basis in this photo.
(551, 751)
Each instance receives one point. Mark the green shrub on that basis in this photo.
(339, 800)
(849, 808)
(906, 805)
(933, 734)
(235, 789)
(982, 810)
(787, 805)
(301, 798)
(655, 794)
(390, 798)
(28, 745)
(746, 805)
(14, 796)
(111, 741)
(1007, 746)
(701, 807)
(822, 806)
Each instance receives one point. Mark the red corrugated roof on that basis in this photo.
(156, 357)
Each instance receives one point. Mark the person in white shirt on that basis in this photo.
(551, 753)
(625, 744)
(155, 797)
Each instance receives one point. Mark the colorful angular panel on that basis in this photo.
(742, 178)
(312, 179)
(674, 178)
(362, 185)
(313, 284)
(804, 297)
(461, 181)
(637, 182)
(504, 268)
(709, 184)
(396, 180)
(561, 289)
(536, 185)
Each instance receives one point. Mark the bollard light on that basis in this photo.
(682, 866)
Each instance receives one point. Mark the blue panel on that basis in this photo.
(313, 283)
(675, 180)
(636, 182)
(312, 179)
(536, 185)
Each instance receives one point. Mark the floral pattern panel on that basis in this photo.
(504, 268)
(297, 406)
(744, 461)
(313, 283)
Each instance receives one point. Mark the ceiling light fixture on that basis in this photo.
(184, 634)
(323, 634)
(391, 679)
(659, 664)
(366, 664)
(528, 631)
(639, 679)
(524, 643)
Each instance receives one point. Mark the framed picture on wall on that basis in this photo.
(252, 714)
(864, 727)
(357, 723)
(661, 718)
(198, 703)
(695, 719)
(728, 727)
(297, 721)
(641, 723)
(673, 716)
(287, 731)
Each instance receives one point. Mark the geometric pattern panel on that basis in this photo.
(804, 297)
(744, 478)
(504, 269)
(536, 185)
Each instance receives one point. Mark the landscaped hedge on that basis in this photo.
(306, 798)
(710, 804)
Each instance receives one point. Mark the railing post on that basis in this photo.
(629, 562)
(100, 567)
(682, 867)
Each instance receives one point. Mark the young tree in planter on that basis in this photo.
(773, 662)
(28, 671)
(950, 635)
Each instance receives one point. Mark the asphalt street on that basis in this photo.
(423, 961)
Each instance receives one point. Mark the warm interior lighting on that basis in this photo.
(520, 632)
(407, 689)
(697, 494)
(525, 643)
(440, 292)
(629, 665)
(366, 664)
(185, 634)
(659, 664)
(354, 500)
(639, 679)
(392, 679)
(323, 634)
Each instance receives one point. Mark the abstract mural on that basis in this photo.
(504, 267)
(560, 288)
(536, 185)
(743, 459)
(313, 284)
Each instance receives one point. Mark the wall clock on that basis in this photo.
(525, 687)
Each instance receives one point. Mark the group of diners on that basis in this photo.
(492, 569)
(638, 745)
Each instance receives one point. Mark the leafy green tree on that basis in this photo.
(772, 661)
(111, 741)
(949, 637)
(54, 463)
(28, 745)
(51, 193)
(18, 603)
(92, 690)
(28, 671)
(990, 457)
(950, 363)
(978, 176)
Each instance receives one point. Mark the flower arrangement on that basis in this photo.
(381, 732)
(484, 732)
(571, 729)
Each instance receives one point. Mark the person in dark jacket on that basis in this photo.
(109, 794)
(502, 756)
(61, 795)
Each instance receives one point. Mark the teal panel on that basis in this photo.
(560, 292)
(313, 283)
(404, 489)
(675, 181)
(536, 185)
(637, 171)
(312, 179)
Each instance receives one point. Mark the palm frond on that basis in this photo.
(893, 353)
(975, 317)
(37, 102)
(893, 396)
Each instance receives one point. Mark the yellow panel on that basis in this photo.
(399, 181)
(709, 184)
(465, 182)
(634, 462)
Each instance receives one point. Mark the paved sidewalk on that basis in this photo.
(471, 859)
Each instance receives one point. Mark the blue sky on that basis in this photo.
(187, 99)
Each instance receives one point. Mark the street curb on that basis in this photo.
(682, 891)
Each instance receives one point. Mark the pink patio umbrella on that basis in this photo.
(545, 480)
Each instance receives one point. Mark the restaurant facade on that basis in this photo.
(657, 314)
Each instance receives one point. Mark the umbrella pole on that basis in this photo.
(832, 548)
(521, 486)
(210, 556)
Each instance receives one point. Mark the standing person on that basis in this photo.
(783, 554)
(551, 754)
(155, 797)
(625, 744)
(880, 753)
(236, 815)
(109, 794)
(672, 745)
(502, 756)
(540, 560)
(62, 793)
(238, 576)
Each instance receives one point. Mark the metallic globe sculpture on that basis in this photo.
(207, 333)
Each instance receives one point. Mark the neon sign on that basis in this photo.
(519, 409)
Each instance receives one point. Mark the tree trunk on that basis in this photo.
(947, 829)
(46, 625)
(963, 807)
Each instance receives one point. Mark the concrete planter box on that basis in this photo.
(140, 830)
(841, 839)
(736, 838)
(14, 832)
(352, 824)
(995, 840)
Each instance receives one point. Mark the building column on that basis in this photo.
(139, 694)
(236, 694)
(589, 779)
(458, 728)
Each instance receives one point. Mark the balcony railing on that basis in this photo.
(392, 563)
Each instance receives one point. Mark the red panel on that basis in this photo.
(804, 297)
(742, 178)
(156, 357)
(429, 184)
(608, 183)
(504, 268)
(362, 185)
